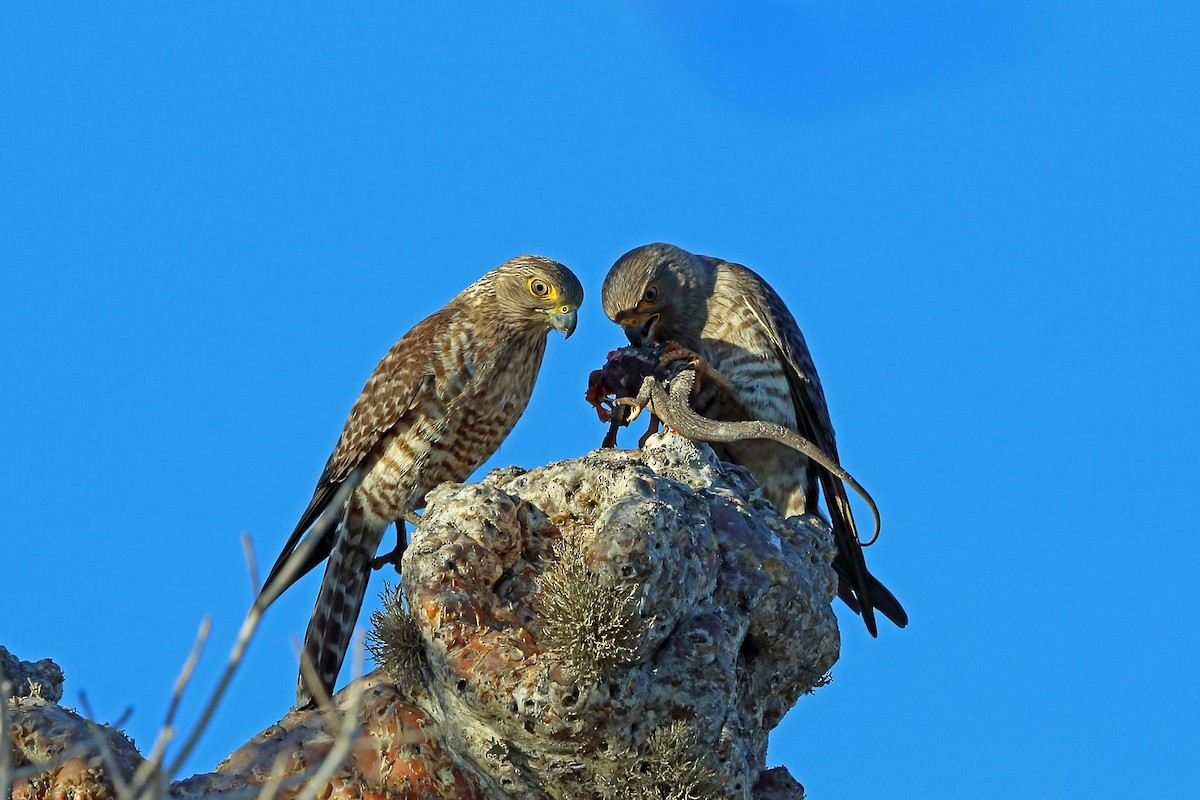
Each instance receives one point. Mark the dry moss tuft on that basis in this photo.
(591, 623)
(394, 640)
(673, 765)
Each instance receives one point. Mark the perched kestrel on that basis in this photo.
(437, 406)
(761, 369)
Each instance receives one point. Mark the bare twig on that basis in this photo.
(251, 563)
(6, 770)
(106, 753)
(322, 700)
(9, 774)
(300, 555)
(276, 779)
(347, 732)
(48, 765)
(245, 635)
(153, 764)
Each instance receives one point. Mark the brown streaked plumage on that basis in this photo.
(741, 328)
(437, 406)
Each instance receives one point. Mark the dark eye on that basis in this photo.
(539, 287)
(651, 293)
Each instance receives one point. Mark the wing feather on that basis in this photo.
(813, 423)
(392, 393)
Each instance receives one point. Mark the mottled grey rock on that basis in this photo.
(733, 603)
(25, 678)
(622, 626)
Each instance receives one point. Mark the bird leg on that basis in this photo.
(394, 555)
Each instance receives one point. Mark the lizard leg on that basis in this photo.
(673, 352)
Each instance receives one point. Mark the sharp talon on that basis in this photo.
(635, 407)
(393, 558)
(394, 555)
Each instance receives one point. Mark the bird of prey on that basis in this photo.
(436, 407)
(758, 367)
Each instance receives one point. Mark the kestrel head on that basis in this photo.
(657, 293)
(537, 293)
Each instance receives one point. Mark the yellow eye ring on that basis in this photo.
(651, 293)
(538, 287)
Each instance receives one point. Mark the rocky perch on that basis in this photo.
(628, 624)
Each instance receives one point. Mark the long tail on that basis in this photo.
(860, 590)
(881, 599)
(338, 604)
(857, 587)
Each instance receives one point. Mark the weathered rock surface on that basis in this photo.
(38, 678)
(629, 624)
(88, 759)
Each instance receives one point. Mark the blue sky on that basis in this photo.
(215, 218)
